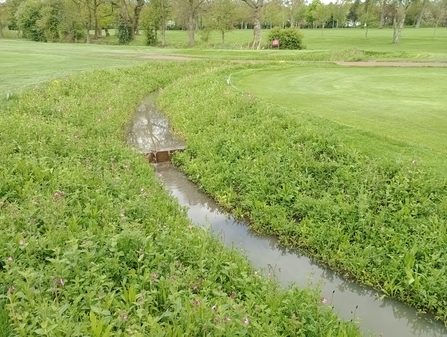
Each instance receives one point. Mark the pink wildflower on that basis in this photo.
(228, 319)
(10, 258)
(21, 242)
(324, 300)
(246, 321)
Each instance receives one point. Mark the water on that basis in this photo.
(381, 317)
(148, 131)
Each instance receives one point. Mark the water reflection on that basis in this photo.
(149, 130)
(385, 317)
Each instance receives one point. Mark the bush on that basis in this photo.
(124, 33)
(289, 38)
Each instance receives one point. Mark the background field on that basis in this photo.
(400, 104)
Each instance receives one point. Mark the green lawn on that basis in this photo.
(25, 63)
(400, 105)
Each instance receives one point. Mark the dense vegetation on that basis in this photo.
(382, 222)
(92, 245)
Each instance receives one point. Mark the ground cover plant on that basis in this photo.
(91, 244)
(293, 175)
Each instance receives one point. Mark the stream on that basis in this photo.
(149, 131)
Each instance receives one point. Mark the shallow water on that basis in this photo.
(149, 131)
(385, 317)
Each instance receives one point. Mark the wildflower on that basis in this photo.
(11, 289)
(256, 273)
(233, 294)
(197, 302)
(21, 242)
(123, 316)
(382, 229)
(121, 214)
(190, 226)
(154, 276)
(10, 258)
(194, 288)
(246, 321)
(324, 300)
(228, 319)
(55, 196)
(61, 282)
(214, 307)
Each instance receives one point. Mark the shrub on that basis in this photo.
(124, 33)
(289, 38)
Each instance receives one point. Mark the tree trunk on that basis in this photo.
(382, 15)
(136, 17)
(191, 27)
(421, 13)
(398, 25)
(257, 28)
(1, 30)
(95, 18)
(434, 31)
(87, 35)
(322, 29)
(366, 32)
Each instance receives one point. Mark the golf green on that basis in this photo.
(401, 103)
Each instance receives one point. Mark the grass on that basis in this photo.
(399, 105)
(92, 245)
(294, 175)
(24, 64)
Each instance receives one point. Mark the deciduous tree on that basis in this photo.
(256, 6)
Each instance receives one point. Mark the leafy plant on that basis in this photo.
(289, 38)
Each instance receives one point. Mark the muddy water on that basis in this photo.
(149, 131)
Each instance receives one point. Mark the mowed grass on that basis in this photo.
(398, 110)
(25, 63)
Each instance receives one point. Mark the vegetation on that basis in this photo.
(92, 245)
(289, 38)
(73, 20)
(298, 177)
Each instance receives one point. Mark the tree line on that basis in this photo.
(84, 20)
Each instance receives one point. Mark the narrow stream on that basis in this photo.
(385, 317)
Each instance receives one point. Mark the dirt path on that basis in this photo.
(167, 57)
(393, 64)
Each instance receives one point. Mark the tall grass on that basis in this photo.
(382, 222)
(92, 245)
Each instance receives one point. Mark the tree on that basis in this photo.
(256, 7)
(422, 8)
(438, 11)
(295, 10)
(310, 11)
(341, 9)
(27, 16)
(222, 16)
(154, 18)
(322, 14)
(129, 16)
(353, 13)
(400, 8)
(4, 16)
(367, 15)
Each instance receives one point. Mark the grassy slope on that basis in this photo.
(95, 243)
(397, 105)
(293, 176)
